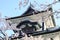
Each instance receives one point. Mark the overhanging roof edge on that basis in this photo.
(50, 9)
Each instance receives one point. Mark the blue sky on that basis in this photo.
(10, 8)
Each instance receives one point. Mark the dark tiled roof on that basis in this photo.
(47, 31)
(28, 13)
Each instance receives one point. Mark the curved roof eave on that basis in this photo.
(28, 14)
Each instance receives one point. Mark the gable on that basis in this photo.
(36, 17)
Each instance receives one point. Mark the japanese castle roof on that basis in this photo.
(30, 12)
